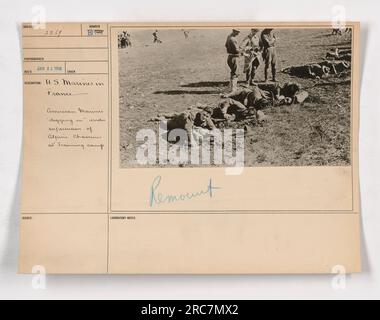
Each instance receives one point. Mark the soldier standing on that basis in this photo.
(186, 33)
(122, 41)
(268, 42)
(233, 52)
(251, 47)
(128, 40)
(156, 39)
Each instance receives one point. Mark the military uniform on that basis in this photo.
(251, 45)
(308, 71)
(250, 98)
(268, 41)
(128, 41)
(156, 39)
(242, 102)
(233, 51)
(188, 119)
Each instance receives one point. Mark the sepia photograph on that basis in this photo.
(212, 152)
(277, 96)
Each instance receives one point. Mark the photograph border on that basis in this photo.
(354, 111)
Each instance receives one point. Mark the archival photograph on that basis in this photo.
(218, 96)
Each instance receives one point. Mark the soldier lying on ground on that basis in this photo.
(339, 54)
(288, 89)
(318, 70)
(237, 105)
(191, 118)
(253, 97)
(336, 67)
(203, 119)
(230, 110)
(265, 94)
(315, 71)
(346, 57)
(283, 94)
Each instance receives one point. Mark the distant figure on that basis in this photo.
(251, 50)
(337, 31)
(127, 37)
(348, 30)
(186, 34)
(233, 52)
(119, 36)
(124, 40)
(268, 42)
(156, 38)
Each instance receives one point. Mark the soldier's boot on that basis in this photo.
(234, 83)
(230, 85)
(248, 77)
(266, 75)
(274, 74)
(253, 74)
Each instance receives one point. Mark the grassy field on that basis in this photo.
(165, 78)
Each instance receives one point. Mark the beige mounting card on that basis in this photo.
(89, 206)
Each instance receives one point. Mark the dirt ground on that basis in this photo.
(170, 77)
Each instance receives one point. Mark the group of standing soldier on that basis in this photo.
(124, 40)
(254, 45)
(251, 47)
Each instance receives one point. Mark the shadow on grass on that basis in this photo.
(334, 45)
(177, 92)
(325, 35)
(208, 84)
(205, 84)
(330, 35)
(333, 83)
